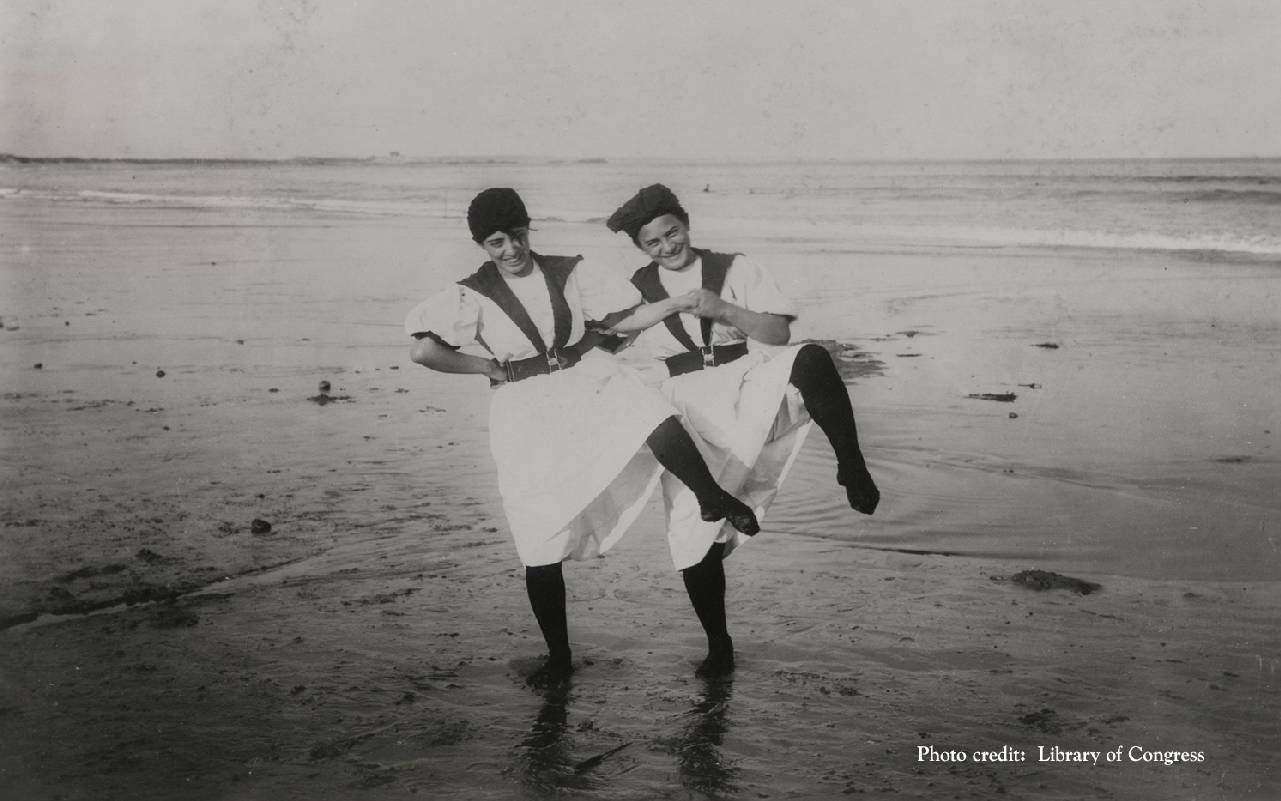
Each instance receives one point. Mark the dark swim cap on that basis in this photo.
(496, 209)
(646, 206)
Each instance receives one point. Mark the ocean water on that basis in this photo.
(1227, 208)
(1141, 444)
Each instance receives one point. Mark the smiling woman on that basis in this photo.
(578, 440)
(745, 395)
(510, 251)
(499, 223)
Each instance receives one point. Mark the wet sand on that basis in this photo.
(372, 642)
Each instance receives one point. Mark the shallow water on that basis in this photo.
(1142, 445)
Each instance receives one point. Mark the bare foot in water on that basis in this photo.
(860, 490)
(739, 514)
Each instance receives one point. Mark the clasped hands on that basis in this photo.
(701, 303)
(698, 302)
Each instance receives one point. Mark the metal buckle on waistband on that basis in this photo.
(553, 361)
(709, 355)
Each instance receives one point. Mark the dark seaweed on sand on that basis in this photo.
(1045, 580)
(852, 362)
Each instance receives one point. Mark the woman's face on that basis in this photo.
(666, 240)
(510, 251)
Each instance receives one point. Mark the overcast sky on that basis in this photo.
(794, 79)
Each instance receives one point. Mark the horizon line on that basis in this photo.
(393, 159)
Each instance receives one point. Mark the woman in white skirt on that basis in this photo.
(569, 426)
(747, 396)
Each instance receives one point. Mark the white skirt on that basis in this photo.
(573, 468)
(749, 423)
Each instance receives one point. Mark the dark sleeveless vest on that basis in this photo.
(489, 282)
(715, 266)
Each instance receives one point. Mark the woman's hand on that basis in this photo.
(497, 373)
(638, 318)
(570, 355)
(771, 329)
(704, 303)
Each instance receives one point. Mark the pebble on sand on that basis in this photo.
(160, 374)
(324, 386)
(260, 526)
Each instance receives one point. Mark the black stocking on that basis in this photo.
(677, 453)
(705, 583)
(828, 403)
(546, 587)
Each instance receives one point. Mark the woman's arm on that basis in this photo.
(645, 315)
(764, 327)
(431, 354)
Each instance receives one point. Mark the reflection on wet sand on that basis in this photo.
(543, 755)
(698, 755)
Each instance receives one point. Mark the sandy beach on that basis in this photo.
(214, 586)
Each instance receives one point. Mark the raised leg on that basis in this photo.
(828, 403)
(676, 452)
